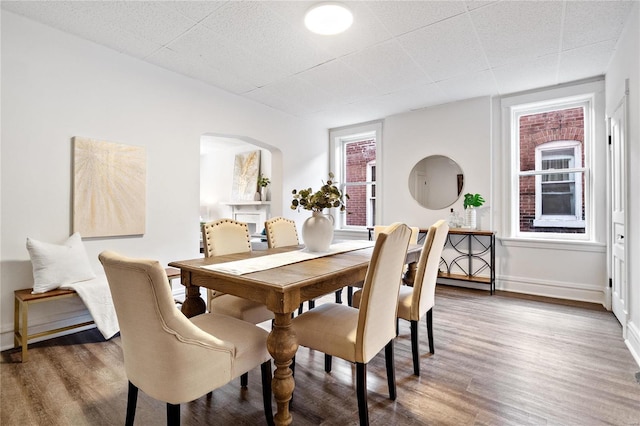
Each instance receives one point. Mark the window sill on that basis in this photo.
(588, 246)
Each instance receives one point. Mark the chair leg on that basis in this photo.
(312, 304)
(397, 327)
(339, 296)
(415, 349)
(265, 369)
(361, 390)
(173, 414)
(300, 309)
(350, 296)
(244, 380)
(391, 374)
(132, 401)
(327, 363)
(429, 320)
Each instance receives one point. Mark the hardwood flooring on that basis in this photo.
(499, 360)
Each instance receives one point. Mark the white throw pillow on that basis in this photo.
(56, 265)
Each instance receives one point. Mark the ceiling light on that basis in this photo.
(328, 18)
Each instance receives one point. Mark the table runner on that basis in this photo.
(262, 263)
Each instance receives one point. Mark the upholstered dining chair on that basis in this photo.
(227, 236)
(282, 232)
(418, 300)
(172, 358)
(357, 335)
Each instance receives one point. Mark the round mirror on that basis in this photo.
(436, 182)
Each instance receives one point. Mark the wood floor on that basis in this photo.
(500, 360)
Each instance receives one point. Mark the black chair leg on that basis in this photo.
(361, 390)
(299, 310)
(415, 350)
(265, 369)
(244, 380)
(350, 296)
(132, 401)
(312, 304)
(430, 330)
(173, 414)
(327, 363)
(339, 296)
(391, 374)
(397, 327)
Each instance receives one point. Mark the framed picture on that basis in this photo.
(245, 176)
(109, 188)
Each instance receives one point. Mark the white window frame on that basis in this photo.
(337, 139)
(559, 221)
(540, 102)
(371, 199)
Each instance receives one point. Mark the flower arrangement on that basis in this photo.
(327, 197)
(473, 200)
(263, 181)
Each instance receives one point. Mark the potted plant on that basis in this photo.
(317, 231)
(263, 182)
(471, 201)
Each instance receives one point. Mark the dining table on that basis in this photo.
(281, 278)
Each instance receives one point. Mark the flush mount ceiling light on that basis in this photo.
(328, 18)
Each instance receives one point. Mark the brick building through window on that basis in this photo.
(359, 180)
(552, 184)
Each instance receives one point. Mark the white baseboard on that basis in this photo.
(557, 289)
(633, 341)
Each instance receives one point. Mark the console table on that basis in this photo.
(467, 254)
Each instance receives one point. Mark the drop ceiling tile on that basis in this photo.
(148, 20)
(416, 97)
(199, 70)
(446, 49)
(401, 17)
(475, 4)
(387, 66)
(469, 86)
(338, 79)
(591, 22)
(269, 95)
(304, 94)
(584, 62)
(520, 76)
(218, 53)
(196, 10)
(255, 28)
(512, 31)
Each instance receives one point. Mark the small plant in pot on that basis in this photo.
(263, 182)
(471, 201)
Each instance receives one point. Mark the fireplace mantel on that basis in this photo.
(254, 213)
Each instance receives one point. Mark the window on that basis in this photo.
(550, 145)
(354, 162)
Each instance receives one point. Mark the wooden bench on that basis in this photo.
(24, 298)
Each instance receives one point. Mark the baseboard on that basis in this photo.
(556, 289)
(633, 341)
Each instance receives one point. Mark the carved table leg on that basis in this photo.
(410, 275)
(193, 304)
(282, 345)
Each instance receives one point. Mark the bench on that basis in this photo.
(24, 298)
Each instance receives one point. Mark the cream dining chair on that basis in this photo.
(227, 236)
(359, 335)
(172, 358)
(282, 232)
(417, 300)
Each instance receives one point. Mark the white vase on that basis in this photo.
(470, 218)
(263, 193)
(317, 232)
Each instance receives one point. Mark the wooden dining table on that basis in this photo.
(282, 289)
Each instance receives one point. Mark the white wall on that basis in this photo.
(56, 86)
(626, 65)
(460, 131)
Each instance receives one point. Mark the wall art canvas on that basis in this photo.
(109, 188)
(245, 176)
